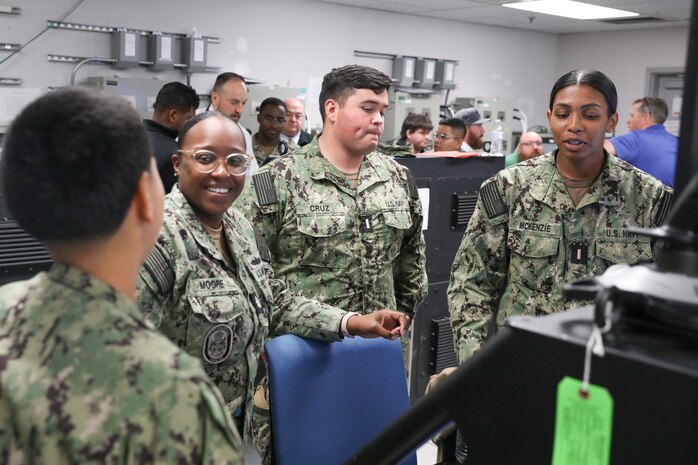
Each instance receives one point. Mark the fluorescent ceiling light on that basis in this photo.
(571, 9)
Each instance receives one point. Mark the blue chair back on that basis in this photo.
(330, 399)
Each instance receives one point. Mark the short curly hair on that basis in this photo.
(71, 163)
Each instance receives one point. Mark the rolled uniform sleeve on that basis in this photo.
(298, 315)
(409, 268)
(479, 272)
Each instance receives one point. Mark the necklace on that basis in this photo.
(214, 232)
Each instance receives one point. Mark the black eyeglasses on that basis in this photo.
(271, 120)
(444, 136)
(207, 161)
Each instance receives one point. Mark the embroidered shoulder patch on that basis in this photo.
(264, 188)
(492, 200)
(159, 267)
(663, 209)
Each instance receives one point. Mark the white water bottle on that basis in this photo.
(497, 142)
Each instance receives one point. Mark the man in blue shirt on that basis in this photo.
(648, 146)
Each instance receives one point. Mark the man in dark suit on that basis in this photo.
(295, 115)
(174, 105)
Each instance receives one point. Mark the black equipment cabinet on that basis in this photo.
(453, 185)
(504, 398)
(21, 256)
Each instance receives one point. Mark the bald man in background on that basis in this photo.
(530, 146)
(292, 131)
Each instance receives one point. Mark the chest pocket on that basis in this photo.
(533, 259)
(614, 251)
(324, 237)
(396, 221)
(219, 322)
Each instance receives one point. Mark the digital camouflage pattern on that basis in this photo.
(518, 252)
(85, 379)
(361, 249)
(393, 150)
(219, 314)
(283, 148)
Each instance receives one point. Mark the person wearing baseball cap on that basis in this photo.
(475, 133)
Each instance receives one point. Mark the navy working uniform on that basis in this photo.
(526, 239)
(223, 309)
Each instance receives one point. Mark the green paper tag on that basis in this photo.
(582, 425)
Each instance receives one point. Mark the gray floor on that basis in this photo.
(251, 457)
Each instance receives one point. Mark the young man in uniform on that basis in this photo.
(266, 143)
(84, 378)
(344, 222)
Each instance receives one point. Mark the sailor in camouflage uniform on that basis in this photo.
(353, 240)
(208, 284)
(267, 144)
(553, 219)
(84, 377)
(360, 249)
(343, 221)
(283, 148)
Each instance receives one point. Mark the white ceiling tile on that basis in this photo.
(490, 12)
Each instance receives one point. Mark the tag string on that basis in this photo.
(595, 346)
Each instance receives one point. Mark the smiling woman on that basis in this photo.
(208, 284)
(552, 219)
(209, 185)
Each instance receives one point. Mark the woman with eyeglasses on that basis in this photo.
(208, 284)
(553, 219)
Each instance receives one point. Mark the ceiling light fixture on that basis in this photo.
(571, 9)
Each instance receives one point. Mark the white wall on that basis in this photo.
(287, 42)
(295, 42)
(625, 57)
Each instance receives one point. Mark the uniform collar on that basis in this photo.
(319, 167)
(172, 133)
(550, 188)
(656, 127)
(256, 146)
(85, 283)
